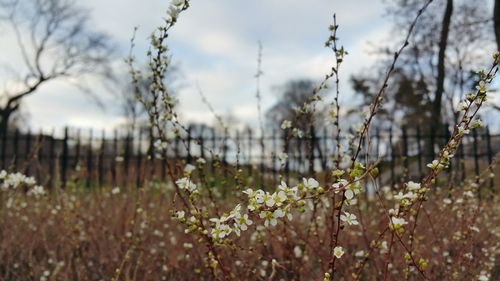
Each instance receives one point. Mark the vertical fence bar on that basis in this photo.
(138, 165)
(16, 149)
(312, 143)
(64, 159)
(114, 164)
(126, 160)
(274, 157)
(476, 156)
(5, 143)
(377, 151)
(490, 156)
(90, 165)
(393, 158)
(419, 152)
(249, 152)
(52, 157)
(77, 150)
(27, 151)
(41, 160)
(462, 158)
(224, 153)
(188, 147)
(100, 164)
(262, 158)
(405, 153)
(287, 157)
(214, 147)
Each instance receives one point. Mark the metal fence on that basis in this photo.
(124, 159)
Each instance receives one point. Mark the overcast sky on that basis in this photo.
(215, 45)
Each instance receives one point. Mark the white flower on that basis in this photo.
(297, 251)
(349, 194)
(398, 222)
(278, 213)
(340, 184)
(37, 191)
(435, 164)
(286, 124)
(242, 221)
(360, 254)
(483, 276)
(338, 252)
(349, 218)
(115, 190)
(201, 161)
(447, 201)
(297, 133)
(189, 169)
(462, 130)
(413, 185)
(3, 174)
(282, 156)
(269, 199)
(269, 217)
(178, 3)
(173, 12)
(180, 214)
(310, 184)
(185, 183)
(469, 194)
(482, 87)
(279, 197)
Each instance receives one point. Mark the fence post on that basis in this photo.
(16, 149)
(202, 142)
(405, 154)
(5, 134)
(224, 153)
(238, 151)
(312, 143)
(446, 137)
(77, 152)
(274, 158)
(377, 151)
(64, 159)
(287, 158)
(27, 151)
(214, 159)
(40, 157)
(419, 152)
(462, 157)
(126, 159)
(393, 158)
(188, 148)
(490, 155)
(138, 165)
(476, 160)
(101, 160)
(262, 158)
(89, 161)
(113, 159)
(249, 152)
(52, 159)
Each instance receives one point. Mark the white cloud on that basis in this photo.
(215, 44)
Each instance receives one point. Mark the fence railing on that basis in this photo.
(124, 159)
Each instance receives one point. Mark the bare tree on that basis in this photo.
(55, 41)
(438, 67)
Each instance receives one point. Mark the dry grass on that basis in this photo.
(98, 235)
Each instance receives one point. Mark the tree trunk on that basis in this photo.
(496, 22)
(443, 43)
(5, 114)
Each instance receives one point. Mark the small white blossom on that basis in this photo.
(349, 218)
(338, 252)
